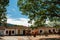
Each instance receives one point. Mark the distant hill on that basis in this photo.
(10, 25)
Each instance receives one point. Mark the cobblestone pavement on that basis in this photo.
(27, 37)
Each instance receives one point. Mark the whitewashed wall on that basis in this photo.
(1, 32)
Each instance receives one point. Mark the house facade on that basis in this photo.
(15, 30)
(10, 32)
(2, 29)
(47, 30)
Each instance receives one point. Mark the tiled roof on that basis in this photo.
(18, 27)
(2, 28)
(45, 27)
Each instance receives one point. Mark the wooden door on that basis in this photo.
(18, 32)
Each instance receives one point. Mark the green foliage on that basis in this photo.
(40, 10)
(3, 18)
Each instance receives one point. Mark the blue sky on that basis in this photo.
(14, 16)
(13, 10)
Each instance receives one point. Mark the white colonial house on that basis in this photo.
(22, 30)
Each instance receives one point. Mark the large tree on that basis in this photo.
(3, 18)
(40, 10)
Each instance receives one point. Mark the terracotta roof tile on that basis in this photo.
(2, 28)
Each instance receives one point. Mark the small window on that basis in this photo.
(40, 31)
(6, 32)
(13, 32)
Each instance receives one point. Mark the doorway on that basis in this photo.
(50, 32)
(18, 32)
(40, 31)
(54, 31)
(23, 32)
(9, 33)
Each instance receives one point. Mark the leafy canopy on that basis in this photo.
(40, 10)
(3, 18)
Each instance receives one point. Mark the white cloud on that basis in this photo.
(20, 21)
